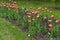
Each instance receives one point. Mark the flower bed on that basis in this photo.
(40, 21)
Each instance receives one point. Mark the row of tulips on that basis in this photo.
(11, 6)
(35, 17)
(35, 22)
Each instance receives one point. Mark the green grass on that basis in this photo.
(10, 32)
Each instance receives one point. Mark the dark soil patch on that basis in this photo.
(41, 36)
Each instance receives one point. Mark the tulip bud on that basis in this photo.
(33, 19)
(50, 11)
(50, 25)
(38, 16)
(45, 18)
(52, 16)
(29, 16)
(43, 9)
(33, 12)
(57, 21)
(27, 12)
(50, 29)
(39, 8)
(29, 21)
(49, 20)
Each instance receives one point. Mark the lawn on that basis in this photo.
(10, 32)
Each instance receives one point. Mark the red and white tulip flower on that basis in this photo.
(52, 16)
(50, 27)
(57, 21)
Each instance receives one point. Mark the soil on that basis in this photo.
(41, 36)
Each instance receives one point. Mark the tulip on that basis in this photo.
(43, 9)
(33, 19)
(57, 21)
(13, 7)
(50, 29)
(50, 11)
(39, 8)
(0, 5)
(29, 21)
(50, 25)
(34, 13)
(52, 16)
(45, 18)
(49, 20)
(38, 16)
(29, 16)
(27, 12)
(8, 8)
